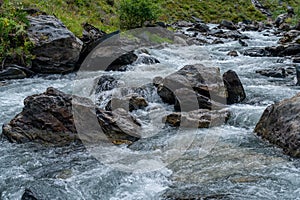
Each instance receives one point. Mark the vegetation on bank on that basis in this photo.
(110, 15)
(15, 46)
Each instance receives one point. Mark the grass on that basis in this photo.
(103, 15)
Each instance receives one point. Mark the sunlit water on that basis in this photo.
(237, 165)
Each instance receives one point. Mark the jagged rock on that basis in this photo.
(28, 195)
(276, 73)
(201, 118)
(279, 124)
(129, 102)
(120, 63)
(55, 47)
(234, 88)
(47, 118)
(195, 81)
(233, 53)
(227, 24)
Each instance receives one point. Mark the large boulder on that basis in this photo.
(48, 118)
(198, 87)
(192, 87)
(56, 48)
(280, 125)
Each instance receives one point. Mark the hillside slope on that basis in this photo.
(103, 13)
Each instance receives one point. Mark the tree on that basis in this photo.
(134, 13)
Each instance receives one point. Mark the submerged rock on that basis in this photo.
(56, 48)
(279, 124)
(28, 195)
(47, 118)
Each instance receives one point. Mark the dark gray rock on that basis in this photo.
(275, 72)
(227, 24)
(279, 124)
(201, 118)
(56, 48)
(193, 87)
(129, 103)
(242, 43)
(28, 195)
(48, 118)
(12, 73)
(120, 64)
(233, 53)
(234, 87)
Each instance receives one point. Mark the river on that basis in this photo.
(235, 165)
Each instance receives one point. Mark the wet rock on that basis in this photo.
(147, 59)
(234, 87)
(296, 60)
(242, 43)
(105, 83)
(28, 195)
(202, 85)
(227, 24)
(56, 48)
(279, 124)
(47, 118)
(275, 72)
(287, 50)
(217, 41)
(119, 126)
(233, 53)
(229, 34)
(184, 192)
(298, 74)
(120, 64)
(201, 27)
(297, 27)
(12, 73)
(129, 103)
(256, 52)
(201, 118)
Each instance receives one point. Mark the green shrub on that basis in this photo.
(134, 13)
(15, 45)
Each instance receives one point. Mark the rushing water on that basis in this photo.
(237, 166)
